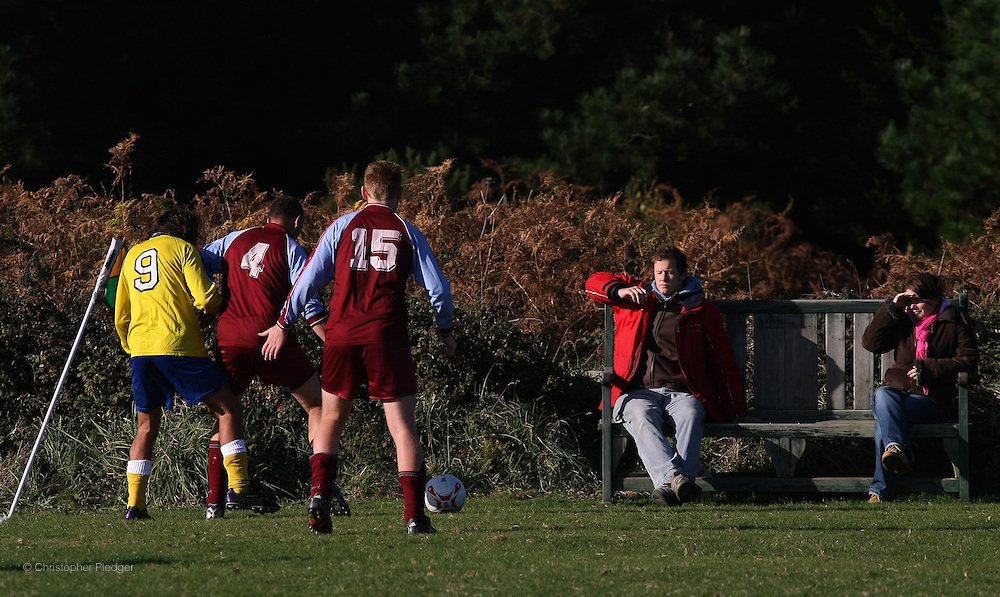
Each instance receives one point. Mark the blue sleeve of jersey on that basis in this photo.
(213, 255)
(428, 274)
(214, 263)
(316, 274)
(297, 259)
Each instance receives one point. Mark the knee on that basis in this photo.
(640, 421)
(881, 400)
(224, 404)
(331, 417)
(691, 413)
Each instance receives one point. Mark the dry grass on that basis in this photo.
(524, 244)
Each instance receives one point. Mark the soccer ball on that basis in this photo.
(445, 493)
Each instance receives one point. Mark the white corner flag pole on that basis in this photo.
(102, 279)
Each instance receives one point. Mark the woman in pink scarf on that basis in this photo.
(932, 341)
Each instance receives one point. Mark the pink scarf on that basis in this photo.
(922, 331)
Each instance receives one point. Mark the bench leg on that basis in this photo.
(957, 451)
(616, 462)
(622, 459)
(785, 453)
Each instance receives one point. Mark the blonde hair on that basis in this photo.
(384, 181)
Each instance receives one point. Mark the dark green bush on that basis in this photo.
(486, 415)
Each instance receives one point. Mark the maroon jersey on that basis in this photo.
(260, 267)
(368, 255)
(371, 268)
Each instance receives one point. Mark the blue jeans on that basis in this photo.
(642, 412)
(894, 412)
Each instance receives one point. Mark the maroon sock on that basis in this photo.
(324, 472)
(413, 493)
(217, 478)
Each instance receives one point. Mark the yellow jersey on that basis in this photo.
(162, 284)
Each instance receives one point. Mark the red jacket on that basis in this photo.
(703, 349)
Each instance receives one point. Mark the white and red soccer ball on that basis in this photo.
(445, 493)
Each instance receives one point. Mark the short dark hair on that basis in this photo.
(181, 221)
(926, 285)
(384, 180)
(285, 206)
(664, 252)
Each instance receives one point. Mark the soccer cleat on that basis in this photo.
(338, 505)
(133, 513)
(419, 526)
(215, 511)
(250, 500)
(685, 489)
(319, 515)
(895, 460)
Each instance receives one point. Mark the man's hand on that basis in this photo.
(320, 330)
(274, 339)
(450, 345)
(636, 294)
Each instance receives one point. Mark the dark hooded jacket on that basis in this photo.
(951, 349)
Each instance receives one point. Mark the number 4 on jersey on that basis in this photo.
(253, 260)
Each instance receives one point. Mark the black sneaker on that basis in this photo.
(338, 505)
(251, 500)
(133, 513)
(419, 526)
(319, 515)
(213, 511)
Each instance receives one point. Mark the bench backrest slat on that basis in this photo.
(836, 357)
(785, 361)
(864, 365)
(736, 329)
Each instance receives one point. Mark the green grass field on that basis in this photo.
(505, 546)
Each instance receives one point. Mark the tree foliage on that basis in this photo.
(760, 101)
(947, 148)
(693, 105)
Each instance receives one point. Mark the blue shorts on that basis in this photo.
(156, 379)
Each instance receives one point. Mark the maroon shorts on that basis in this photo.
(387, 368)
(291, 369)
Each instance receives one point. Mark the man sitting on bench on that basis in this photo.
(672, 359)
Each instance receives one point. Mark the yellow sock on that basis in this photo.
(138, 481)
(237, 465)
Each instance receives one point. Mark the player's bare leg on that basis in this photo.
(325, 496)
(140, 463)
(400, 417)
(310, 397)
(147, 428)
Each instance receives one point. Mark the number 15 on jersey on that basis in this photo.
(383, 249)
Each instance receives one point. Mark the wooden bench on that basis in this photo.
(806, 378)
